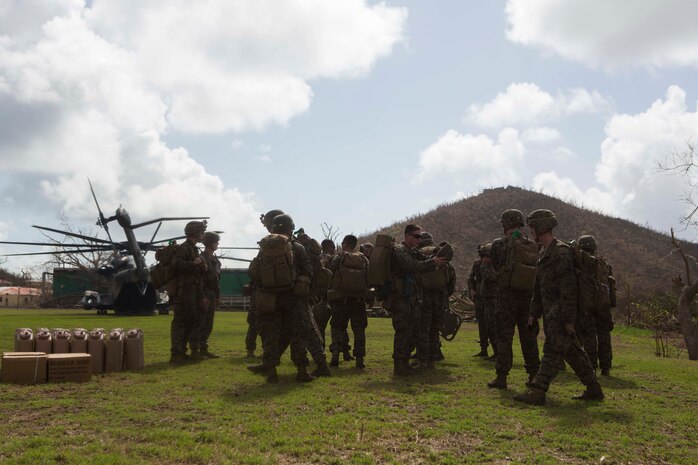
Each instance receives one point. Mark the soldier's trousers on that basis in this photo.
(204, 327)
(604, 326)
(559, 344)
(511, 312)
(431, 318)
(251, 336)
(481, 323)
(344, 312)
(186, 316)
(585, 326)
(305, 335)
(322, 313)
(490, 305)
(405, 315)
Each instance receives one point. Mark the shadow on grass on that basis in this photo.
(431, 378)
(250, 393)
(617, 383)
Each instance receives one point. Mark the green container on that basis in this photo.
(233, 280)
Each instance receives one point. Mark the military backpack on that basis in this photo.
(379, 273)
(519, 270)
(351, 278)
(322, 277)
(274, 270)
(438, 277)
(162, 273)
(591, 293)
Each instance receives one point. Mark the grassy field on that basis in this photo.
(216, 412)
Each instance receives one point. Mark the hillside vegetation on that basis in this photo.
(643, 260)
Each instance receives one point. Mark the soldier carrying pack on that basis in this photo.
(274, 270)
(519, 270)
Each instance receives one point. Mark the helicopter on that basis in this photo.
(131, 291)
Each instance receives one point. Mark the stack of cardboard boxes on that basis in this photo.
(61, 355)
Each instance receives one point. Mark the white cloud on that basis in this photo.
(262, 158)
(630, 183)
(526, 104)
(541, 135)
(264, 148)
(476, 160)
(245, 64)
(89, 92)
(606, 33)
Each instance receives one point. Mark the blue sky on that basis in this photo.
(352, 113)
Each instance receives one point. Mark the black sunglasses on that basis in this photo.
(416, 236)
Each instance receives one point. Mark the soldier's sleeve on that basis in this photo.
(535, 309)
(496, 251)
(302, 261)
(334, 264)
(568, 284)
(183, 260)
(471, 275)
(451, 279)
(611, 286)
(410, 264)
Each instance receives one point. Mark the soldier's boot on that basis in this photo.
(401, 368)
(271, 376)
(347, 356)
(302, 376)
(196, 355)
(605, 372)
(360, 363)
(250, 353)
(529, 383)
(180, 359)
(321, 370)
(257, 369)
(334, 362)
(592, 392)
(532, 397)
(206, 354)
(500, 382)
(482, 353)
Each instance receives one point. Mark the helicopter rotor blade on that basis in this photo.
(146, 249)
(236, 259)
(47, 244)
(59, 252)
(79, 236)
(101, 221)
(169, 219)
(160, 241)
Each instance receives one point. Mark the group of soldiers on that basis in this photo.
(577, 330)
(298, 286)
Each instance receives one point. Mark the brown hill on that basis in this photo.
(643, 260)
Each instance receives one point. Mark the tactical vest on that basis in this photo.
(274, 271)
(379, 269)
(519, 270)
(351, 277)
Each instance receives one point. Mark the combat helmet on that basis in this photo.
(426, 240)
(587, 243)
(512, 218)
(283, 224)
(542, 220)
(195, 227)
(268, 218)
(211, 237)
(484, 250)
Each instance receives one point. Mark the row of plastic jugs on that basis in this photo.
(113, 351)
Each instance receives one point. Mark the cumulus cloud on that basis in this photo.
(526, 104)
(611, 34)
(89, 90)
(474, 159)
(630, 183)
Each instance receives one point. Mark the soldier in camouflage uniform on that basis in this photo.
(597, 341)
(348, 309)
(511, 311)
(329, 252)
(404, 296)
(488, 293)
(474, 278)
(434, 304)
(555, 298)
(198, 342)
(188, 268)
(291, 315)
(251, 336)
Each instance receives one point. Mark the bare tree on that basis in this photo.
(330, 232)
(87, 261)
(689, 327)
(684, 164)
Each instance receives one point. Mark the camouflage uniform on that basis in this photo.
(511, 312)
(251, 335)
(188, 297)
(555, 298)
(474, 279)
(595, 329)
(431, 318)
(404, 299)
(487, 291)
(211, 281)
(344, 311)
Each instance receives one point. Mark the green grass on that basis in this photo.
(217, 412)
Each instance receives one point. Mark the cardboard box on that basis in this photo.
(69, 367)
(24, 367)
